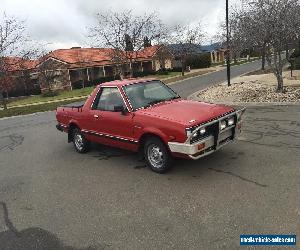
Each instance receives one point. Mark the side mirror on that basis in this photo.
(120, 108)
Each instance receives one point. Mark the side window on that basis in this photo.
(108, 99)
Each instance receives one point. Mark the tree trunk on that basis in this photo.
(263, 61)
(279, 83)
(83, 78)
(279, 74)
(263, 57)
(276, 68)
(119, 75)
(182, 66)
(130, 70)
(3, 100)
(49, 86)
(287, 52)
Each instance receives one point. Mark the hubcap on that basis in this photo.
(78, 139)
(155, 156)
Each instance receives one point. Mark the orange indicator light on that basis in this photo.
(201, 146)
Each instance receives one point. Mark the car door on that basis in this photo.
(107, 125)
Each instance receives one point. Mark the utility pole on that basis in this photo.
(227, 44)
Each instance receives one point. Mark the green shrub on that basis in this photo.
(199, 61)
(50, 93)
(163, 72)
(296, 58)
(141, 74)
(297, 63)
(296, 53)
(178, 69)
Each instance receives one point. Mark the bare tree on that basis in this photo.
(13, 52)
(162, 55)
(11, 37)
(272, 25)
(186, 37)
(124, 32)
(47, 75)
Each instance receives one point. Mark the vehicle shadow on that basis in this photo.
(33, 238)
(180, 166)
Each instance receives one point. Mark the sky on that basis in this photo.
(64, 23)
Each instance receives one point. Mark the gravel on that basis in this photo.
(249, 91)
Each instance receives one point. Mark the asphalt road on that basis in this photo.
(190, 86)
(54, 198)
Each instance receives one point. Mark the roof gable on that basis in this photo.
(15, 63)
(212, 47)
(190, 48)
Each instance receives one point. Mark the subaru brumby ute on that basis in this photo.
(147, 116)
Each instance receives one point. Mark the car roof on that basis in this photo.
(124, 82)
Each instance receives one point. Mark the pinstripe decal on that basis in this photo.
(109, 136)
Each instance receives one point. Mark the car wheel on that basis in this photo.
(81, 144)
(157, 155)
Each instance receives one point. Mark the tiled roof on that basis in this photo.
(81, 55)
(212, 47)
(189, 47)
(94, 56)
(17, 63)
(148, 52)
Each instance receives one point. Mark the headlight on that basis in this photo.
(223, 124)
(188, 132)
(202, 131)
(230, 121)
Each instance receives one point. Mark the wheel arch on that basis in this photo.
(72, 126)
(149, 134)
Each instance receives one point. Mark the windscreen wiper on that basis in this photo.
(154, 102)
(172, 98)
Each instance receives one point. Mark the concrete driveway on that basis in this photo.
(54, 198)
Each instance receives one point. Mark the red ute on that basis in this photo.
(147, 116)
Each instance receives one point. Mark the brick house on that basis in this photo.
(185, 49)
(217, 52)
(18, 76)
(79, 67)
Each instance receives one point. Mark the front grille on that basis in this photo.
(211, 129)
(224, 141)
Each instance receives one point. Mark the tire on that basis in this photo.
(157, 155)
(81, 144)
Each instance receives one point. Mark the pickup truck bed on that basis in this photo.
(74, 105)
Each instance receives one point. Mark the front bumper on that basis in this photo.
(62, 127)
(210, 143)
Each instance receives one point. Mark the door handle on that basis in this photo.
(96, 116)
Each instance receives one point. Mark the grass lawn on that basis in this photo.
(61, 95)
(244, 61)
(163, 76)
(33, 108)
(237, 63)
